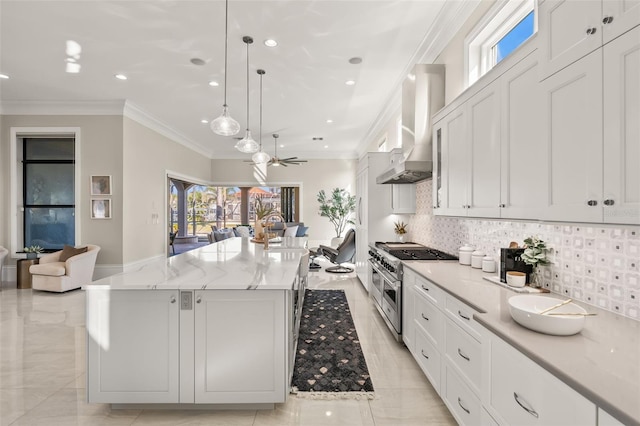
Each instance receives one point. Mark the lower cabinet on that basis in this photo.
(203, 347)
(520, 392)
(463, 403)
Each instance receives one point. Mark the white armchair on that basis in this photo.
(50, 274)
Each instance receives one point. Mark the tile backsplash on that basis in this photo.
(596, 264)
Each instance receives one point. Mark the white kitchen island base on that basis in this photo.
(224, 344)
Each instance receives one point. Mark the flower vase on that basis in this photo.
(258, 233)
(400, 238)
(537, 278)
(32, 255)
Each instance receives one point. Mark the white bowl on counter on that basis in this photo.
(525, 310)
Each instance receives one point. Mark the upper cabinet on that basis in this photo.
(570, 30)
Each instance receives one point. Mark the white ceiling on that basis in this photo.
(153, 41)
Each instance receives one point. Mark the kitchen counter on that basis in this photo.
(602, 362)
(231, 264)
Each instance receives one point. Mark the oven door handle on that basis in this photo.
(385, 275)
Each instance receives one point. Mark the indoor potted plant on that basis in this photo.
(338, 208)
(400, 228)
(535, 254)
(32, 251)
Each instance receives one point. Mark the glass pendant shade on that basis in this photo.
(225, 125)
(247, 145)
(261, 157)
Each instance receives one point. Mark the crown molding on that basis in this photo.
(61, 107)
(140, 116)
(122, 108)
(451, 17)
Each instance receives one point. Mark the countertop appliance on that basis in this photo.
(386, 273)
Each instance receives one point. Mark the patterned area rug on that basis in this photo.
(329, 361)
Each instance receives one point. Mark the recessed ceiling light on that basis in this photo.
(214, 83)
(326, 146)
(203, 121)
(120, 76)
(329, 121)
(350, 82)
(72, 68)
(270, 42)
(355, 60)
(4, 76)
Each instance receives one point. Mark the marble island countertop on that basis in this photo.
(602, 362)
(231, 264)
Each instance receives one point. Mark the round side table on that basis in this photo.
(24, 276)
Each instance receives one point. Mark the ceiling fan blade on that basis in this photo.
(288, 159)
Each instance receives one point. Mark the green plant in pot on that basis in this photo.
(338, 208)
(32, 251)
(535, 254)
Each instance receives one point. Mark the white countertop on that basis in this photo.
(602, 362)
(231, 264)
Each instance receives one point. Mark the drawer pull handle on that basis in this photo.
(424, 316)
(527, 409)
(463, 316)
(425, 288)
(423, 354)
(463, 407)
(463, 355)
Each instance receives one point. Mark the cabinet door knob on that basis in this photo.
(592, 203)
(591, 31)
(609, 202)
(199, 299)
(173, 299)
(607, 20)
(502, 206)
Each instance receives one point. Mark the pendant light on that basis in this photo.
(247, 144)
(260, 157)
(225, 125)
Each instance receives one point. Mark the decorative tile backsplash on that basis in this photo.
(596, 264)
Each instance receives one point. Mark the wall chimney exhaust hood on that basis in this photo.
(422, 96)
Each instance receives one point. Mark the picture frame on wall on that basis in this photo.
(100, 185)
(100, 208)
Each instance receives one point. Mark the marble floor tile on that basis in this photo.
(43, 380)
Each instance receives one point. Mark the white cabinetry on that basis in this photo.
(403, 198)
(523, 147)
(373, 209)
(573, 122)
(245, 361)
(450, 194)
(227, 346)
(621, 196)
(523, 393)
(606, 419)
(446, 345)
(132, 339)
(570, 30)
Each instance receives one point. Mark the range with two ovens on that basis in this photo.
(386, 273)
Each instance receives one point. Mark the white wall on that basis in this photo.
(147, 156)
(311, 177)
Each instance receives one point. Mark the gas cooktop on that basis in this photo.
(413, 251)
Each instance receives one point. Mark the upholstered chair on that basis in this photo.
(58, 272)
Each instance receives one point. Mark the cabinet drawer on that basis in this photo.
(462, 402)
(431, 291)
(431, 319)
(465, 353)
(428, 358)
(462, 315)
(523, 393)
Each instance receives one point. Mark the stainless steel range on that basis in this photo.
(385, 277)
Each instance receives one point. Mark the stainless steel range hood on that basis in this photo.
(422, 96)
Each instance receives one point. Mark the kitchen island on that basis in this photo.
(191, 330)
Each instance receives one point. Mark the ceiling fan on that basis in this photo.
(275, 161)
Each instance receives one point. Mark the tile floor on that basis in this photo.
(42, 372)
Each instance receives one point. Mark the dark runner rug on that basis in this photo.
(329, 360)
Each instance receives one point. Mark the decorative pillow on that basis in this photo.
(302, 231)
(291, 231)
(68, 251)
(223, 234)
(242, 231)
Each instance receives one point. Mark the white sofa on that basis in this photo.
(52, 275)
